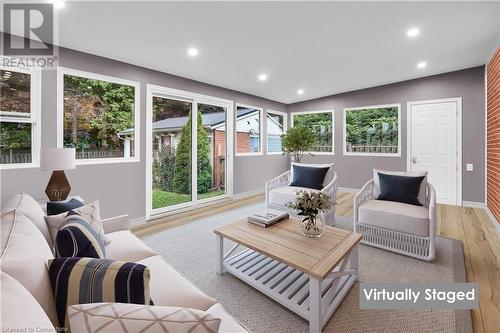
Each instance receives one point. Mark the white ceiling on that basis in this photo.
(322, 47)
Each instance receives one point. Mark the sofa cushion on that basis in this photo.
(28, 207)
(169, 288)
(119, 317)
(395, 216)
(24, 257)
(89, 212)
(90, 280)
(329, 175)
(126, 246)
(281, 196)
(77, 238)
(19, 309)
(309, 177)
(228, 324)
(422, 193)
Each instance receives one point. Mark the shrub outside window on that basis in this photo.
(321, 122)
(373, 130)
(19, 118)
(276, 127)
(99, 117)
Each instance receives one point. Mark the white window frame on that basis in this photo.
(344, 130)
(261, 130)
(34, 119)
(61, 71)
(194, 98)
(332, 111)
(285, 128)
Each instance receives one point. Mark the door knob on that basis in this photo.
(414, 160)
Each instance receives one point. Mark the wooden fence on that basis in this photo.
(13, 157)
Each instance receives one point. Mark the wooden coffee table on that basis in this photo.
(309, 276)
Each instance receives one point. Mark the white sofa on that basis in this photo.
(26, 293)
(398, 227)
(279, 192)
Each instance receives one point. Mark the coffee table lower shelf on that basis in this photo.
(292, 288)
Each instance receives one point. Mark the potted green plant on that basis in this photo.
(298, 141)
(310, 205)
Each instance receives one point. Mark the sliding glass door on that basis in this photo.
(189, 150)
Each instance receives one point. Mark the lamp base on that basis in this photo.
(58, 187)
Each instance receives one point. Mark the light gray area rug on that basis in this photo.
(191, 250)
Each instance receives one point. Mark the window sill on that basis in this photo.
(275, 153)
(106, 161)
(249, 154)
(14, 166)
(372, 154)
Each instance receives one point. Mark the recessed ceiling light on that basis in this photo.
(58, 3)
(262, 77)
(413, 32)
(193, 52)
(300, 91)
(422, 64)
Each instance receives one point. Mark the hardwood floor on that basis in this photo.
(481, 243)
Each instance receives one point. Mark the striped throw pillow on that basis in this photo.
(77, 238)
(89, 280)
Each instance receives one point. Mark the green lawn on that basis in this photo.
(164, 199)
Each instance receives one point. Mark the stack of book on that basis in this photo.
(267, 217)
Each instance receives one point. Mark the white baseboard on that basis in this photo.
(137, 221)
(348, 189)
(473, 204)
(246, 194)
(492, 218)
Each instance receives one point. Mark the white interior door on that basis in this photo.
(434, 145)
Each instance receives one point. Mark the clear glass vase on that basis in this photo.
(313, 227)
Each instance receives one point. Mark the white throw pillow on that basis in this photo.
(89, 212)
(422, 195)
(329, 173)
(28, 206)
(122, 317)
(19, 310)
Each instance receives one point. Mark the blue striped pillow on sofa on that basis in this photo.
(89, 280)
(77, 238)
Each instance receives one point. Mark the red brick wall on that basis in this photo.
(242, 142)
(493, 135)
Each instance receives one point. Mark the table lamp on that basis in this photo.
(57, 160)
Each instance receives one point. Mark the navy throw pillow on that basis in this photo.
(309, 177)
(58, 207)
(400, 188)
(77, 238)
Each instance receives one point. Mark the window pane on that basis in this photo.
(15, 92)
(275, 128)
(15, 143)
(98, 118)
(321, 124)
(171, 152)
(372, 130)
(247, 130)
(211, 151)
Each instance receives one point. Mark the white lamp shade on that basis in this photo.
(54, 159)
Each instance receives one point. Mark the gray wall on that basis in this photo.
(354, 171)
(120, 187)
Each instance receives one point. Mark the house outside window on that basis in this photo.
(99, 117)
(373, 130)
(248, 130)
(321, 122)
(19, 118)
(276, 127)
